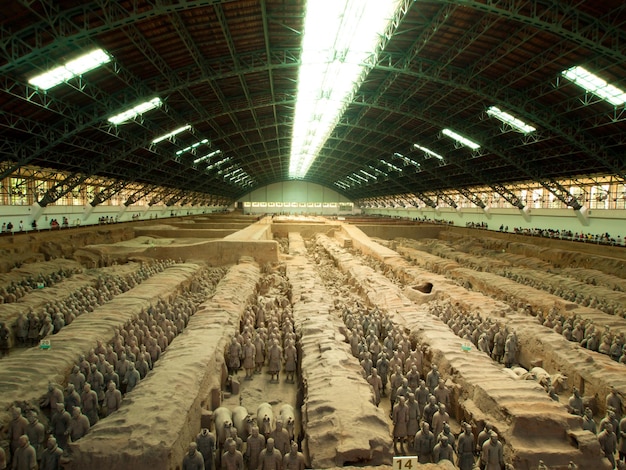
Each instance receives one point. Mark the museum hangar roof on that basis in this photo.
(226, 72)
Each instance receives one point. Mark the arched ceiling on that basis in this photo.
(229, 68)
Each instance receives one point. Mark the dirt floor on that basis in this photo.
(461, 268)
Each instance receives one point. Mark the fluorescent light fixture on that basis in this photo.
(340, 44)
(391, 166)
(596, 85)
(460, 139)
(193, 146)
(377, 171)
(406, 160)
(428, 151)
(218, 163)
(356, 175)
(511, 120)
(71, 69)
(226, 170)
(207, 156)
(135, 111)
(353, 180)
(171, 134)
(241, 178)
(367, 174)
(245, 180)
(233, 174)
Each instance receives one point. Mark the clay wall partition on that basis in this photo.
(306, 230)
(38, 298)
(25, 376)
(258, 231)
(194, 224)
(230, 217)
(162, 415)
(518, 409)
(177, 232)
(391, 231)
(48, 245)
(213, 252)
(364, 243)
(593, 373)
(341, 423)
(559, 253)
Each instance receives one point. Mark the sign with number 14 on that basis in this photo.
(404, 463)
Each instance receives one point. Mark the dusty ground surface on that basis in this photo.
(338, 404)
(172, 402)
(24, 377)
(163, 413)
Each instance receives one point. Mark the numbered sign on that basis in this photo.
(405, 463)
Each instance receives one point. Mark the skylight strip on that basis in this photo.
(207, 156)
(135, 111)
(428, 151)
(218, 163)
(511, 120)
(367, 174)
(460, 139)
(596, 85)
(171, 134)
(340, 38)
(233, 174)
(391, 165)
(227, 169)
(377, 171)
(71, 69)
(193, 146)
(406, 159)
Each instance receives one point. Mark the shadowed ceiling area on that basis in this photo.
(229, 69)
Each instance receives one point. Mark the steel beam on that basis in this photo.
(75, 25)
(140, 194)
(600, 36)
(109, 191)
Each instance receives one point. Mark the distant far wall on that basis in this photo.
(88, 215)
(389, 232)
(297, 197)
(594, 221)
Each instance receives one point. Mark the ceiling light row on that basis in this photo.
(407, 160)
(171, 134)
(339, 46)
(218, 163)
(507, 118)
(71, 69)
(460, 139)
(135, 111)
(86, 63)
(192, 146)
(208, 156)
(594, 84)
